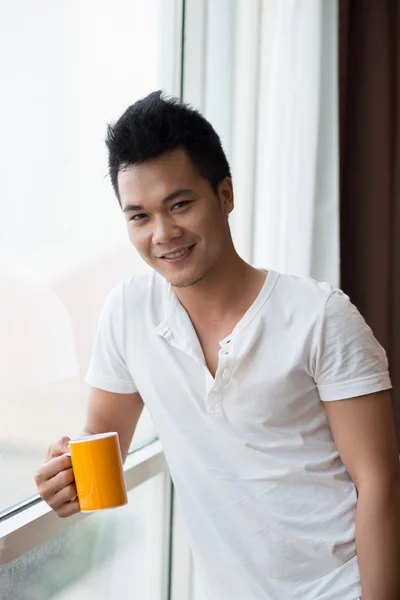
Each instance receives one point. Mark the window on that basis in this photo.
(115, 554)
(67, 69)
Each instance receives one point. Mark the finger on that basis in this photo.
(50, 488)
(69, 509)
(52, 468)
(63, 496)
(58, 448)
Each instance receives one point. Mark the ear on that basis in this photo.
(225, 192)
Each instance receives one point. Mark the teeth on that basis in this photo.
(176, 254)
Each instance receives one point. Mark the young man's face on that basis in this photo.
(174, 219)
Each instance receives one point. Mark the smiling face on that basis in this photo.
(174, 218)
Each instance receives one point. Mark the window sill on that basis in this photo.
(38, 523)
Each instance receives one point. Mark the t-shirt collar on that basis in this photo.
(172, 304)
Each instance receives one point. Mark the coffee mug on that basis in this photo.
(98, 471)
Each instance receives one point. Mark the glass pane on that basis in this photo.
(112, 554)
(197, 589)
(68, 68)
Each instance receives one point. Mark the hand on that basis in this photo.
(55, 480)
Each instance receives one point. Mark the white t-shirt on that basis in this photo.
(269, 506)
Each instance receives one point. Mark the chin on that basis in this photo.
(185, 282)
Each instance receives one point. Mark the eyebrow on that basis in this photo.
(175, 194)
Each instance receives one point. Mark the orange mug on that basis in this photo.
(98, 471)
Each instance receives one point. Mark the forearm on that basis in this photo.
(378, 540)
(109, 411)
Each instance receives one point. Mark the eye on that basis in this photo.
(180, 204)
(138, 217)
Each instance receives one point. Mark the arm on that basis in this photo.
(108, 411)
(364, 433)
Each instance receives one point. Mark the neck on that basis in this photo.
(226, 290)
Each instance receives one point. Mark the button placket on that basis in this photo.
(214, 397)
(222, 378)
(226, 361)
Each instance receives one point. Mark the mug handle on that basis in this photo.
(69, 454)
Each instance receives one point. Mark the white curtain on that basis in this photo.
(296, 207)
(264, 73)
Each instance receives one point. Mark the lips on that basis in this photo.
(177, 255)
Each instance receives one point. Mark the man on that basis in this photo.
(269, 392)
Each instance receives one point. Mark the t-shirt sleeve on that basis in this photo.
(349, 360)
(108, 370)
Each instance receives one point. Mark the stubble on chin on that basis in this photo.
(189, 282)
(185, 284)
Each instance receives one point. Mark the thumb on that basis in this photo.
(58, 448)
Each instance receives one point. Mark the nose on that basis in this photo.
(165, 230)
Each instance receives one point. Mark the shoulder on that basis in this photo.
(139, 296)
(305, 295)
(317, 303)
